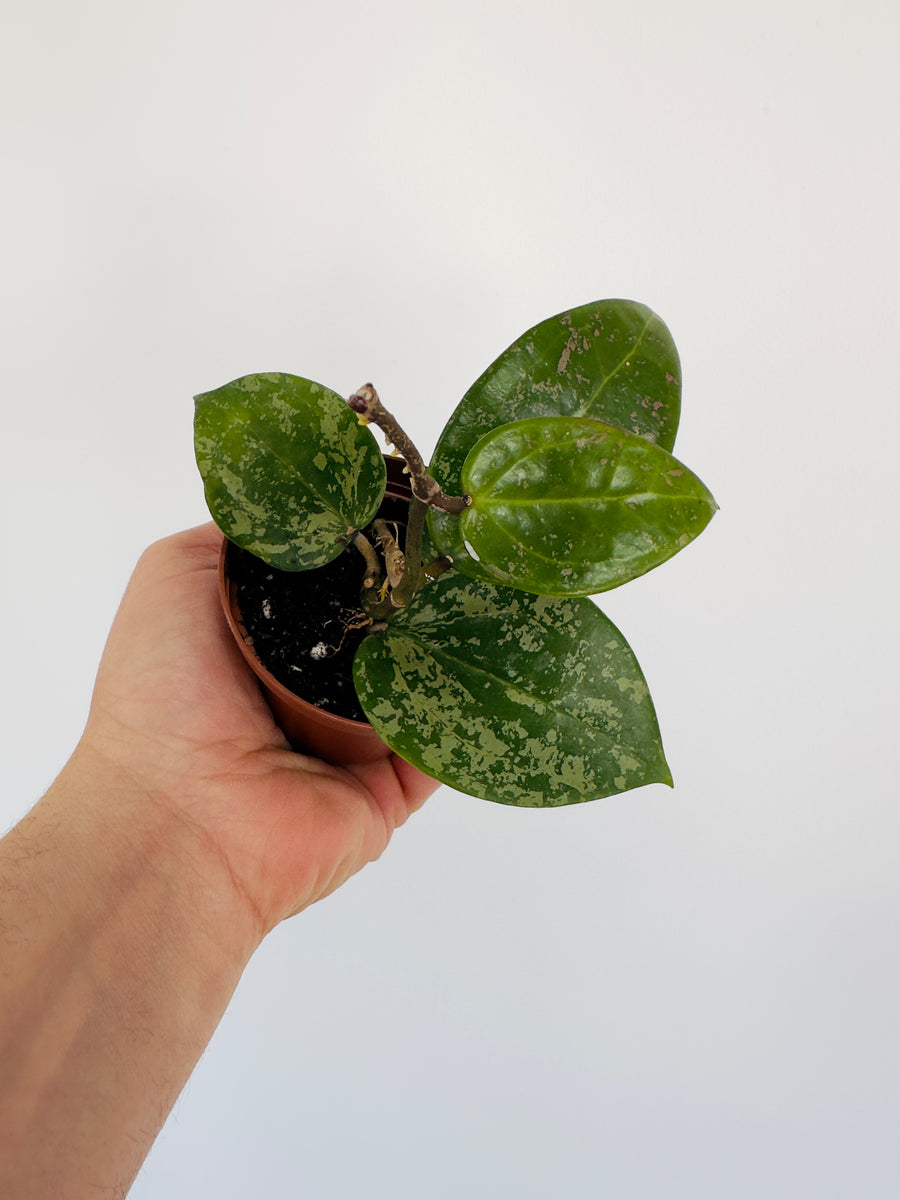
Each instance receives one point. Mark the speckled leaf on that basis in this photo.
(520, 699)
(613, 361)
(288, 471)
(565, 506)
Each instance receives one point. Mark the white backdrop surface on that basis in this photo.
(664, 995)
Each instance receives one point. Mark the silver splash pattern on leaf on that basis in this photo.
(524, 700)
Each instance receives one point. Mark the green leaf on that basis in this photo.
(520, 699)
(613, 361)
(289, 472)
(565, 506)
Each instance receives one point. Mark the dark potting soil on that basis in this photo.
(307, 625)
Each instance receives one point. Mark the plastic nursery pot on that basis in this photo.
(310, 730)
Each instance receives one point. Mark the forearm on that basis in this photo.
(115, 968)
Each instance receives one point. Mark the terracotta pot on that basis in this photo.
(335, 739)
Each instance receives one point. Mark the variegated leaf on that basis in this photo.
(520, 699)
(288, 471)
(566, 506)
(613, 361)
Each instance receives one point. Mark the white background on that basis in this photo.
(688, 994)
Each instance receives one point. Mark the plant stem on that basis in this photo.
(377, 607)
(373, 571)
(394, 558)
(406, 589)
(435, 569)
(366, 404)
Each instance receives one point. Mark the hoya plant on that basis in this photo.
(482, 660)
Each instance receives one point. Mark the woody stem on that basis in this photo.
(366, 404)
(415, 528)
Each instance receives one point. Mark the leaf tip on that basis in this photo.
(664, 772)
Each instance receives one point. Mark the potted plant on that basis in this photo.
(462, 611)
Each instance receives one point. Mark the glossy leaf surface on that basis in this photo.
(568, 506)
(520, 699)
(613, 360)
(288, 471)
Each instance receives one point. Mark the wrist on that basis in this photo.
(122, 947)
(122, 824)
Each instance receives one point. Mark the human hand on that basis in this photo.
(134, 893)
(177, 712)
